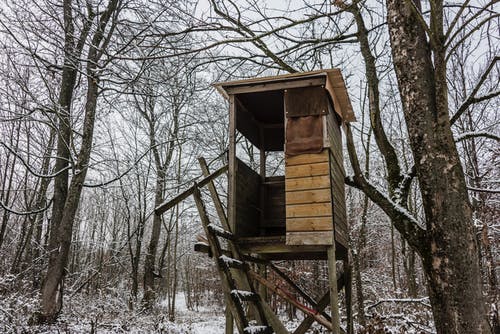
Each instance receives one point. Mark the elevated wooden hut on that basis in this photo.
(299, 214)
(296, 216)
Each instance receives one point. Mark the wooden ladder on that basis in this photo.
(237, 276)
(237, 290)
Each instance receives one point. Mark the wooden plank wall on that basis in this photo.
(273, 190)
(337, 175)
(247, 195)
(308, 199)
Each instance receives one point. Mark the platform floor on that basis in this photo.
(275, 248)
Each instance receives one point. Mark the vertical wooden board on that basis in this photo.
(306, 101)
(247, 200)
(231, 205)
(338, 201)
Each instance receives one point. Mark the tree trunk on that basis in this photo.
(450, 254)
(51, 298)
(61, 232)
(149, 263)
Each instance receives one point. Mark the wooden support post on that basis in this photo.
(231, 209)
(262, 170)
(285, 295)
(308, 321)
(229, 319)
(215, 196)
(348, 296)
(262, 270)
(271, 317)
(217, 252)
(303, 294)
(223, 219)
(160, 209)
(334, 299)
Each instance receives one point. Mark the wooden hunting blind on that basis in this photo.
(299, 214)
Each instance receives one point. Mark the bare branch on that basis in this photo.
(484, 190)
(25, 213)
(405, 223)
(466, 23)
(468, 34)
(28, 167)
(471, 98)
(102, 184)
(455, 19)
(475, 134)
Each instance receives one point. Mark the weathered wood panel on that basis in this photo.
(308, 158)
(305, 183)
(337, 175)
(306, 101)
(309, 224)
(247, 200)
(308, 196)
(312, 169)
(309, 238)
(308, 199)
(308, 210)
(273, 191)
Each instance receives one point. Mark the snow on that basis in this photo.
(398, 207)
(229, 261)
(254, 329)
(242, 293)
(218, 229)
(471, 134)
(110, 315)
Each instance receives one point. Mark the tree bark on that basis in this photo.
(449, 255)
(61, 232)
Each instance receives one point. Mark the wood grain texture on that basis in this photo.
(311, 169)
(307, 158)
(309, 210)
(247, 200)
(309, 224)
(308, 196)
(305, 183)
(309, 238)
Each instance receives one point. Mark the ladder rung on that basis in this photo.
(230, 262)
(217, 230)
(246, 296)
(258, 330)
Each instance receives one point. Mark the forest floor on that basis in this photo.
(86, 314)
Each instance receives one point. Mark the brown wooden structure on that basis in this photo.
(300, 215)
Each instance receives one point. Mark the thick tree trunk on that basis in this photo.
(51, 298)
(149, 263)
(450, 255)
(52, 288)
(61, 233)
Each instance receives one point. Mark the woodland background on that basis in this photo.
(106, 105)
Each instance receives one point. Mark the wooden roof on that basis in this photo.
(332, 80)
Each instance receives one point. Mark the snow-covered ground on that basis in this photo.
(110, 315)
